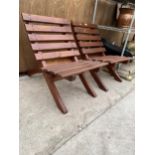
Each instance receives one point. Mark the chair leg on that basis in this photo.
(87, 86)
(98, 80)
(113, 72)
(55, 93)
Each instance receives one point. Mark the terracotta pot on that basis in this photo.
(125, 17)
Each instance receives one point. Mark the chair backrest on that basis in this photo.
(51, 39)
(88, 39)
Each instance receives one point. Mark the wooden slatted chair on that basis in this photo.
(91, 47)
(55, 49)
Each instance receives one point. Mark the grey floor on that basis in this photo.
(110, 134)
(43, 129)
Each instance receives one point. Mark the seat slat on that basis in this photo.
(86, 30)
(81, 70)
(50, 37)
(90, 44)
(53, 46)
(43, 28)
(87, 37)
(58, 54)
(63, 65)
(44, 19)
(70, 68)
(93, 50)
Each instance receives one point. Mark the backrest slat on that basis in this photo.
(44, 19)
(89, 39)
(45, 28)
(82, 37)
(50, 37)
(56, 54)
(52, 46)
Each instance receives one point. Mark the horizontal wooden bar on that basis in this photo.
(93, 50)
(87, 37)
(86, 30)
(45, 28)
(81, 70)
(85, 25)
(44, 19)
(50, 37)
(90, 44)
(53, 46)
(58, 54)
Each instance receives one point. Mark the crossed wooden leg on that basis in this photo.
(113, 72)
(55, 93)
(98, 80)
(86, 85)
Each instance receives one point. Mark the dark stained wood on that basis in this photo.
(83, 69)
(44, 19)
(87, 86)
(55, 93)
(56, 54)
(98, 80)
(90, 44)
(114, 73)
(49, 46)
(50, 37)
(84, 25)
(82, 37)
(93, 50)
(52, 46)
(45, 28)
(86, 30)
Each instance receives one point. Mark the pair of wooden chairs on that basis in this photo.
(64, 50)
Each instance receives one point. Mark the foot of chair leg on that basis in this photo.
(55, 93)
(114, 73)
(87, 86)
(98, 81)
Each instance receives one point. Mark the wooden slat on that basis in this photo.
(87, 37)
(90, 44)
(86, 30)
(93, 50)
(78, 65)
(44, 19)
(53, 55)
(50, 37)
(81, 70)
(62, 65)
(85, 25)
(43, 28)
(53, 46)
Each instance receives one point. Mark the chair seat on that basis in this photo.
(112, 59)
(73, 68)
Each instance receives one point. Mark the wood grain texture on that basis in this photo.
(76, 10)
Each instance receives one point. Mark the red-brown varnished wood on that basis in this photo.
(86, 30)
(90, 44)
(55, 47)
(87, 86)
(82, 37)
(44, 19)
(56, 54)
(93, 50)
(50, 37)
(113, 72)
(98, 80)
(55, 93)
(52, 46)
(45, 28)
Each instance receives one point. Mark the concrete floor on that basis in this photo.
(43, 129)
(110, 134)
